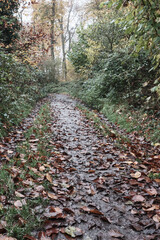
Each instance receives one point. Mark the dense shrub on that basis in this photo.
(20, 87)
(121, 77)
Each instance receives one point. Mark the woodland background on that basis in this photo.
(106, 53)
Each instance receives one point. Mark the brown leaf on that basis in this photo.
(156, 218)
(49, 232)
(152, 191)
(91, 171)
(52, 196)
(95, 211)
(138, 198)
(55, 209)
(55, 213)
(106, 219)
(19, 194)
(115, 233)
(72, 169)
(106, 199)
(41, 168)
(68, 210)
(91, 191)
(85, 209)
(154, 207)
(137, 227)
(42, 236)
(19, 204)
(136, 175)
(49, 178)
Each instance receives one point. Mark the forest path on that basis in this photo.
(68, 181)
(96, 191)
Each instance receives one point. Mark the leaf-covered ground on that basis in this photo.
(82, 185)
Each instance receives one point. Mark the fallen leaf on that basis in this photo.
(137, 227)
(95, 211)
(55, 212)
(154, 207)
(152, 191)
(73, 231)
(42, 236)
(55, 209)
(52, 196)
(68, 210)
(54, 230)
(42, 168)
(85, 209)
(18, 204)
(115, 233)
(19, 194)
(91, 191)
(136, 175)
(91, 171)
(138, 198)
(106, 199)
(106, 219)
(156, 218)
(49, 178)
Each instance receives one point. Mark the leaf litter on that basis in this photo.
(95, 190)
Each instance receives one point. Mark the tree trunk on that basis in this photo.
(52, 30)
(53, 37)
(63, 49)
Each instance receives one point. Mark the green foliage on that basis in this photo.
(141, 22)
(9, 25)
(78, 55)
(122, 77)
(20, 87)
(111, 67)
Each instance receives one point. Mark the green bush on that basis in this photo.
(122, 77)
(20, 87)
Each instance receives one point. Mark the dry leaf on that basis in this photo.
(115, 233)
(154, 207)
(136, 175)
(18, 204)
(41, 168)
(49, 178)
(95, 211)
(52, 196)
(138, 198)
(156, 218)
(152, 191)
(19, 194)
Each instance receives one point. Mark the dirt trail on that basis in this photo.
(97, 191)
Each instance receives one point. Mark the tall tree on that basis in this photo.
(53, 28)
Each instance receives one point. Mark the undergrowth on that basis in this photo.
(22, 217)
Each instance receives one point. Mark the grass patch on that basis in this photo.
(154, 175)
(32, 153)
(132, 120)
(102, 127)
